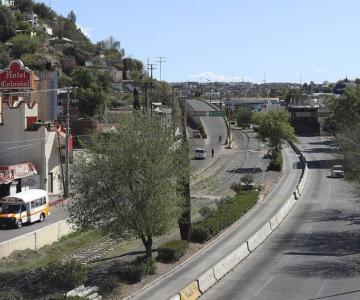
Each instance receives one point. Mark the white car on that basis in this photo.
(200, 153)
(337, 171)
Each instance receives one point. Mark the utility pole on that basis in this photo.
(160, 61)
(151, 67)
(66, 187)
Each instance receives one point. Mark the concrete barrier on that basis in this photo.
(226, 264)
(206, 280)
(242, 251)
(190, 292)
(274, 223)
(258, 237)
(36, 239)
(175, 297)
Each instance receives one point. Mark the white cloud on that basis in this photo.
(85, 30)
(320, 70)
(210, 76)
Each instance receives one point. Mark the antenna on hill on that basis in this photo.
(160, 61)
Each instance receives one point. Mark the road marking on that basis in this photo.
(266, 284)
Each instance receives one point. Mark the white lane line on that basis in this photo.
(266, 284)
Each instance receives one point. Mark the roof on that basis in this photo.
(28, 195)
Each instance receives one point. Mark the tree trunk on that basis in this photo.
(148, 245)
(185, 219)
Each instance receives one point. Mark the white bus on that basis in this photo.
(25, 207)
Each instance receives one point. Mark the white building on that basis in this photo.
(24, 141)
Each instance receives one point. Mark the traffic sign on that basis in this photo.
(216, 113)
(197, 113)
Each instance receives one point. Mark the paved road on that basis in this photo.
(251, 222)
(315, 252)
(216, 127)
(57, 214)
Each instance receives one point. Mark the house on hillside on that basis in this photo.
(7, 3)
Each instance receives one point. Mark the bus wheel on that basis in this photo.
(42, 218)
(19, 224)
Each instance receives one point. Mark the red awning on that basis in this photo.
(10, 173)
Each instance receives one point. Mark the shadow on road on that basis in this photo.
(318, 150)
(332, 254)
(352, 218)
(245, 170)
(323, 164)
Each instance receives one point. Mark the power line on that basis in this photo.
(13, 142)
(160, 61)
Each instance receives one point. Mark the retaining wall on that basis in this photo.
(36, 239)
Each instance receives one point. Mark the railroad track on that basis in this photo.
(217, 181)
(88, 254)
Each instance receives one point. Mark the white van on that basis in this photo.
(25, 207)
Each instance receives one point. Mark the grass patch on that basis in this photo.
(229, 211)
(25, 260)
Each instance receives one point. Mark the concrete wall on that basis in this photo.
(36, 239)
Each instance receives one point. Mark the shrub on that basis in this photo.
(67, 274)
(230, 210)
(107, 286)
(148, 263)
(134, 271)
(276, 162)
(206, 212)
(222, 203)
(130, 273)
(199, 234)
(236, 186)
(172, 251)
(11, 295)
(247, 181)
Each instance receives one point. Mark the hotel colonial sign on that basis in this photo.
(17, 76)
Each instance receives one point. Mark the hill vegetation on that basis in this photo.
(47, 41)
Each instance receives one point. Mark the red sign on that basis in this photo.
(10, 173)
(17, 76)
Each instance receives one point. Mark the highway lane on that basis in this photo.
(58, 213)
(315, 252)
(251, 222)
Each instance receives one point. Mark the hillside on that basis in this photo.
(47, 41)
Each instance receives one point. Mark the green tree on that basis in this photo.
(8, 24)
(5, 57)
(295, 96)
(126, 182)
(23, 44)
(243, 116)
(72, 17)
(275, 126)
(344, 122)
(93, 91)
(24, 5)
(44, 11)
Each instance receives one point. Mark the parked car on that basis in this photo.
(337, 171)
(200, 153)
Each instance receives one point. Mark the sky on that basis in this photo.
(230, 40)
